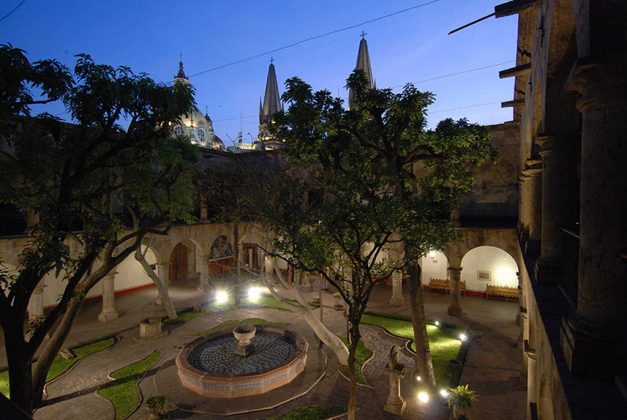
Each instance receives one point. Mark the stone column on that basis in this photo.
(523, 224)
(591, 338)
(533, 205)
(36, 306)
(532, 394)
(455, 307)
(108, 298)
(397, 289)
(559, 202)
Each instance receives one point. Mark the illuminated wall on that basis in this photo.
(488, 265)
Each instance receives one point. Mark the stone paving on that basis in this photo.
(492, 365)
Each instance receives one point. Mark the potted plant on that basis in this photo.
(156, 404)
(461, 399)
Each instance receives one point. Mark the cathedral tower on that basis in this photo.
(271, 104)
(363, 64)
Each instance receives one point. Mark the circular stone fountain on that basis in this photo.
(259, 360)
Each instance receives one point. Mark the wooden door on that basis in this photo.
(178, 263)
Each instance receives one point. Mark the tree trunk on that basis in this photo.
(336, 345)
(419, 323)
(20, 372)
(163, 291)
(352, 401)
(52, 347)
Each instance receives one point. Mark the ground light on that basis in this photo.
(423, 397)
(463, 337)
(221, 296)
(444, 393)
(437, 323)
(418, 378)
(254, 293)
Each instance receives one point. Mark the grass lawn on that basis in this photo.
(361, 356)
(312, 412)
(444, 343)
(61, 365)
(123, 392)
(226, 325)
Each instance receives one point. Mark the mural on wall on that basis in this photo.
(221, 248)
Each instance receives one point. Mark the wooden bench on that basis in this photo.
(443, 286)
(501, 292)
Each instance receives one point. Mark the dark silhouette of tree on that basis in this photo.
(98, 189)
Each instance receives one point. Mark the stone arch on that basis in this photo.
(183, 261)
(485, 265)
(434, 265)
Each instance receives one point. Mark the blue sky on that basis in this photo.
(148, 36)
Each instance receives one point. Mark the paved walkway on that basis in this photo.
(492, 366)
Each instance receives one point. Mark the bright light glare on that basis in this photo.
(418, 378)
(221, 296)
(432, 253)
(254, 293)
(463, 337)
(423, 397)
(444, 393)
(437, 323)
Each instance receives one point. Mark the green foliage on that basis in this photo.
(312, 412)
(443, 342)
(111, 183)
(123, 392)
(461, 398)
(362, 355)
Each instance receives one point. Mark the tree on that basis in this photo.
(235, 188)
(333, 214)
(382, 179)
(98, 190)
(428, 169)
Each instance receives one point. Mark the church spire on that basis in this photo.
(363, 64)
(272, 100)
(180, 76)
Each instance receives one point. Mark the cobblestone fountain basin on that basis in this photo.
(210, 367)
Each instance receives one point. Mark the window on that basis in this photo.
(201, 135)
(178, 130)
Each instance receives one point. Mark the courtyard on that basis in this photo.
(492, 366)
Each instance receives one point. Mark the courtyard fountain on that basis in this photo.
(247, 360)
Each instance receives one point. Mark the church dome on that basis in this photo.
(196, 126)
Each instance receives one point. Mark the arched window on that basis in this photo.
(178, 130)
(201, 135)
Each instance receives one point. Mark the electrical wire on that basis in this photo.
(13, 11)
(335, 31)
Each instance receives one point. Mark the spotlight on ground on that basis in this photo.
(254, 293)
(437, 323)
(463, 337)
(221, 296)
(444, 393)
(423, 397)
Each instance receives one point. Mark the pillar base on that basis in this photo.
(454, 311)
(395, 407)
(108, 315)
(396, 301)
(547, 271)
(591, 351)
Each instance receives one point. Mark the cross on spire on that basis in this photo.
(363, 34)
(271, 60)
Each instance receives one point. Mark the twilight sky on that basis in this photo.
(413, 46)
